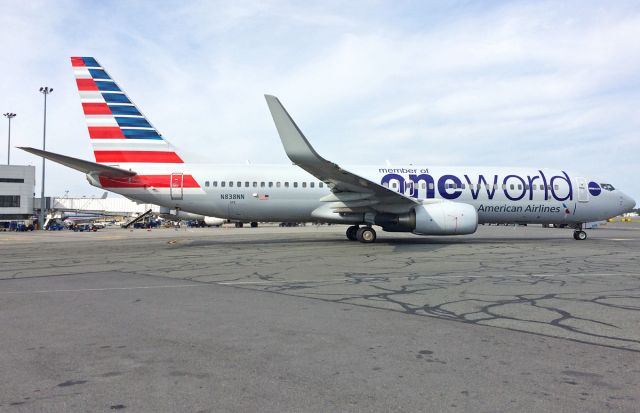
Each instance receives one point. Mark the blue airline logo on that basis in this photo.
(514, 187)
(594, 188)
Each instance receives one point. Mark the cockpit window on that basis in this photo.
(607, 187)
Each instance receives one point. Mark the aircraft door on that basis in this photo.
(175, 186)
(583, 190)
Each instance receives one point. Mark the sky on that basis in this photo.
(519, 83)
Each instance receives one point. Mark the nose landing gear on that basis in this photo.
(579, 234)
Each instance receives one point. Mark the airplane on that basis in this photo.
(135, 160)
(72, 218)
(80, 219)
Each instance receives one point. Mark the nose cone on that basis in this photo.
(628, 203)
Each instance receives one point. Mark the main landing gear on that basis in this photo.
(363, 234)
(579, 234)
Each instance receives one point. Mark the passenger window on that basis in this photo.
(230, 184)
(304, 184)
(286, 184)
(519, 186)
(511, 186)
(430, 185)
(277, 184)
(312, 184)
(424, 185)
(223, 183)
(239, 184)
(394, 185)
(270, 184)
(261, 184)
(295, 184)
(526, 186)
(255, 184)
(320, 185)
(555, 187)
(215, 183)
(206, 183)
(246, 184)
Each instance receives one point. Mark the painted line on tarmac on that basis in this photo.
(102, 289)
(383, 278)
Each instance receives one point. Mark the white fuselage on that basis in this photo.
(288, 193)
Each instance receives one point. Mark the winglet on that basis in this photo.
(300, 151)
(297, 147)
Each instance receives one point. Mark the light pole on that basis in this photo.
(9, 116)
(45, 91)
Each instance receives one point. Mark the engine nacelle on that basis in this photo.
(213, 221)
(446, 218)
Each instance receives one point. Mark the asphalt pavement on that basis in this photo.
(300, 319)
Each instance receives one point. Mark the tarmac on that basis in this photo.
(301, 320)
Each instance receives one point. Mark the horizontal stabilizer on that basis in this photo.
(81, 165)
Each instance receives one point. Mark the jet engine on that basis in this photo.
(443, 218)
(446, 218)
(213, 221)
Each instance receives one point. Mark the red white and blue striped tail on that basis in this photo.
(119, 132)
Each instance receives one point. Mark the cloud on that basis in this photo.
(522, 83)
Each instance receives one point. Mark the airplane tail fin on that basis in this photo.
(119, 132)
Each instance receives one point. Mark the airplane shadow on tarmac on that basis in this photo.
(396, 242)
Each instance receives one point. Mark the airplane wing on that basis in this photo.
(82, 165)
(346, 186)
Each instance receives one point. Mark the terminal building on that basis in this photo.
(17, 185)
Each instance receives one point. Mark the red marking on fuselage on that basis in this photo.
(144, 181)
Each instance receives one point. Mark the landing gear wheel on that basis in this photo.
(352, 233)
(366, 235)
(239, 224)
(254, 225)
(579, 235)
